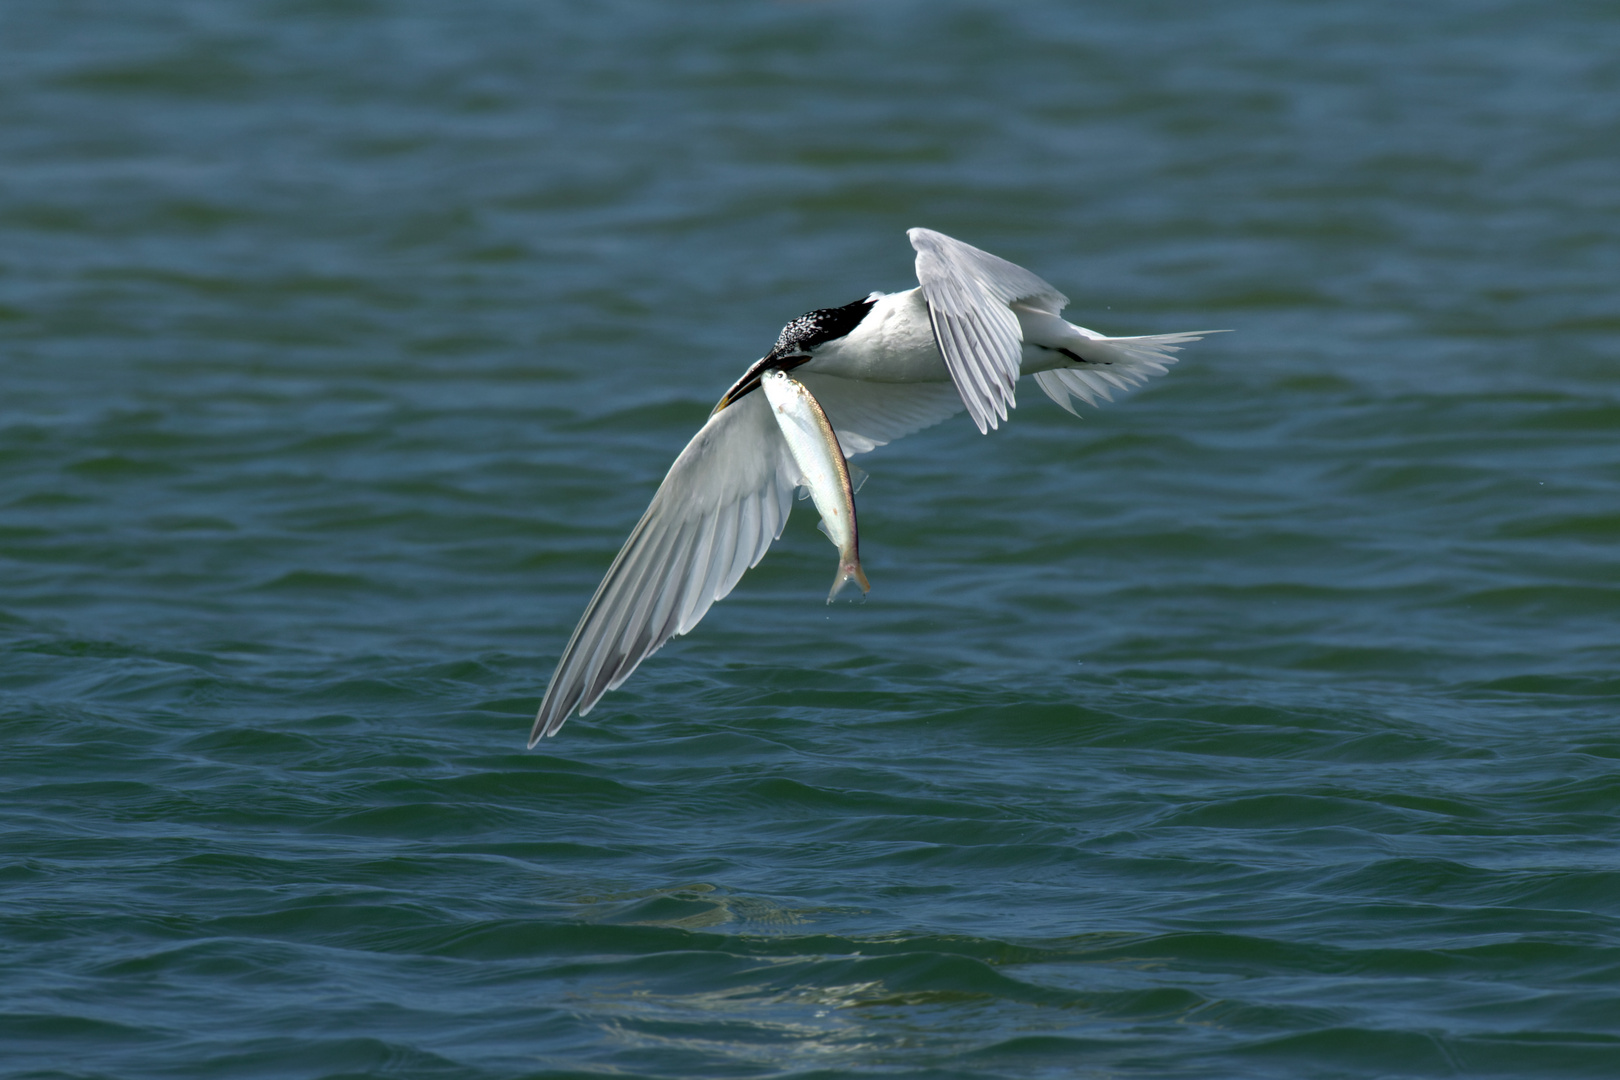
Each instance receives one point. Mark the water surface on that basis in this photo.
(1260, 725)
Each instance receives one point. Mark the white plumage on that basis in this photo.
(881, 368)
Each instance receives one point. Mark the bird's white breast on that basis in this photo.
(894, 343)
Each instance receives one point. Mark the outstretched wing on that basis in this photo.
(724, 500)
(968, 293)
(867, 415)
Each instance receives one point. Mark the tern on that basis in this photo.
(882, 367)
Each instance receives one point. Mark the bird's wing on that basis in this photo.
(868, 414)
(968, 293)
(724, 500)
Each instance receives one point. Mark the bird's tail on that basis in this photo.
(1113, 363)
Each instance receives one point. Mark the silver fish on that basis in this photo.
(884, 367)
(814, 445)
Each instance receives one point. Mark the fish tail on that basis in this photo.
(848, 572)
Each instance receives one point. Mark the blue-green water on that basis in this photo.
(1261, 725)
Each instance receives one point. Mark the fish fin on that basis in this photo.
(848, 572)
(804, 492)
(857, 477)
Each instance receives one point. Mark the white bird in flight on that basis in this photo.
(881, 368)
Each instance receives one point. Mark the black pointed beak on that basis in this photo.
(750, 380)
(741, 388)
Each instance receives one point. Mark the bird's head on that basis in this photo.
(796, 343)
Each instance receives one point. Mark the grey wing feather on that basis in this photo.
(722, 503)
(867, 415)
(968, 293)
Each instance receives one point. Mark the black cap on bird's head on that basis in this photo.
(797, 338)
(819, 327)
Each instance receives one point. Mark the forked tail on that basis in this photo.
(1110, 364)
(849, 571)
